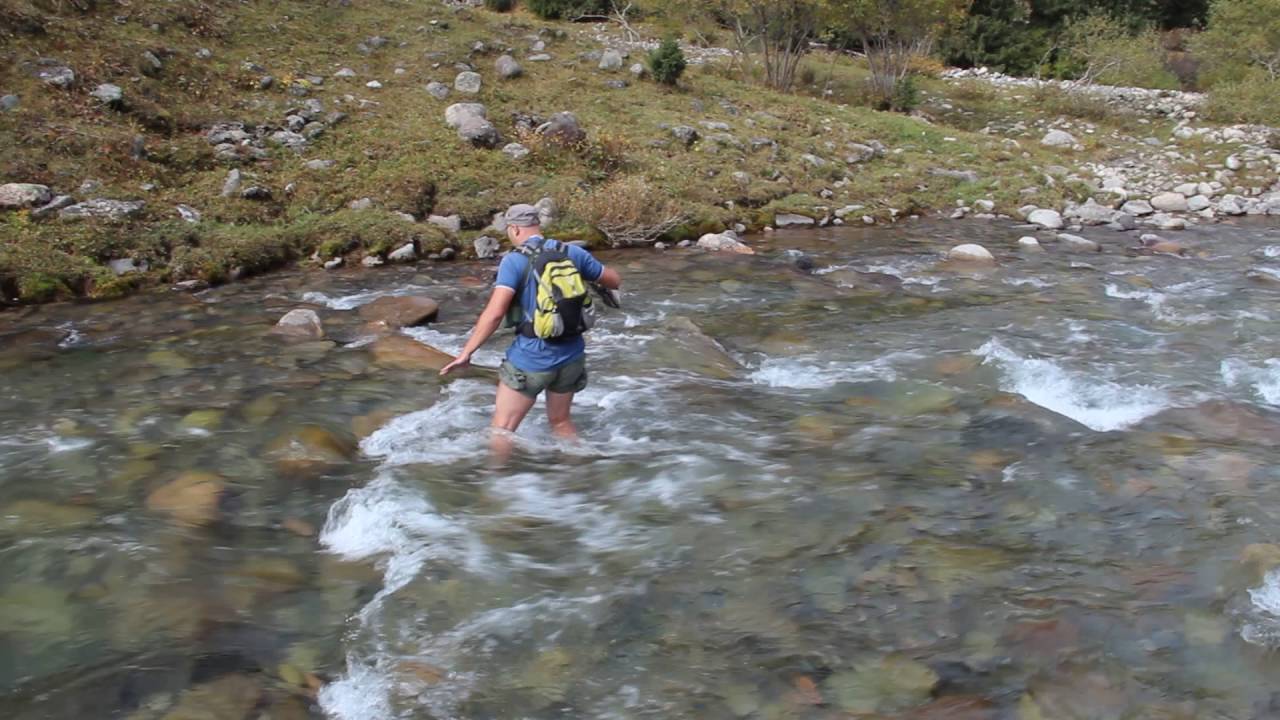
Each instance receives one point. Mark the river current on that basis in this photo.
(881, 486)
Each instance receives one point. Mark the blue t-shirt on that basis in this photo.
(535, 354)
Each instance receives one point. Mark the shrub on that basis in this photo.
(1101, 48)
(1243, 37)
(667, 62)
(906, 96)
(500, 6)
(567, 9)
(628, 211)
(1250, 99)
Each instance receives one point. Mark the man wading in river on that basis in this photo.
(541, 291)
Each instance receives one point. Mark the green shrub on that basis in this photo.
(667, 62)
(1251, 99)
(500, 6)
(906, 96)
(1243, 38)
(1103, 48)
(567, 9)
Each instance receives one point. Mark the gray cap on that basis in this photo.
(522, 215)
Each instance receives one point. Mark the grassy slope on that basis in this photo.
(395, 148)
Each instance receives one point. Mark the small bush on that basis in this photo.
(906, 95)
(667, 63)
(567, 9)
(628, 210)
(1251, 99)
(1102, 48)
(500, 6)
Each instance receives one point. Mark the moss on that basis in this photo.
(40, 287)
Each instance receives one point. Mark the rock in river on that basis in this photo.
(404, 353)
(1048, 219)
(306, 451)
(300, 323)
(970, 252)
(398, 312)
(192, 498)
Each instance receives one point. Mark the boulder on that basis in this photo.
(456, 113)
(53, 206)
(1091, 213)
(230, 697)
(515, 151)
(1058, 138)
(467, 82)
(448, 223)
(685, 135)
(398, 312)
(1165, 221)
(103, 209)
(193, 498)
(638, 70)
(1077, 243)
(1231, 205)
(1169, 202)
(404, 353)
(782, 220)
(970, 252)
(437, 90)
(55, 75)
(18, 196)
(486, 247)
(1048, 219)
(9, 103)
(1196, 203)
(611, 60)
(231, 186)
(300, 323)
(308, 450)
(724, 241)
(1138, 208)
(405, 253)
(1029, 243)
(507, 67)
(108, 94)
(859, 153)
(125, 266)
(479, 132)
(563, 128)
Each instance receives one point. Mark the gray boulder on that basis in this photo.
(970, 252)
(1139, 208)
(456, 113)
(1048, 219)
(17, 196)
(611, 60)
(450, 223)
(507, 67)
(1058, 138)
(405, 253)
(782, 220)
(9, 103)
(108, 94)
(1091, 213)
(437, 90)
(188, 213)
(515, 151)
(726, 241)
(345, 73)
(319, 165)
(56, 75)
(859, 153)
(1169, 202)
(1196, 203)
(1231, 205)
(467, 82)
(149, 64)
(479, 132)
(288, 139)
(300, 323)
(52, 207)
(125, 266)
(103, 209)
(486, 247)
(563, 128)
(1077, 243)
(231, 186)
(638, 70)
(686, 135)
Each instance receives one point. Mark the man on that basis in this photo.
(532, 365)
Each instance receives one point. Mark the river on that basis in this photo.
(885, 487)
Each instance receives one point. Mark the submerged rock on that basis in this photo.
(309, 450)
(724, 241)
(888, 685)
(400, 311)
(230, 697)
(193, 498)
(404, 353)
(300, 323)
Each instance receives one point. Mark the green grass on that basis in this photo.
(395, 149)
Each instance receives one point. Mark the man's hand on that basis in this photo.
(462, 362)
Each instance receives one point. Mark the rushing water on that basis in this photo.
(888, 487)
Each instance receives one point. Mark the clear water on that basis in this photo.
(927, 492)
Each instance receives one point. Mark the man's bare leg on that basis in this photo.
(509, 411)
(558, 408)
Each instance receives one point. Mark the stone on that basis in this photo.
(1058, 138)
(19, 196)
(1029, 244)
(546, 208)
(887, 686)
(1077, 243)
(319, 165)
(300, 323)
(372, 261)
(437, 90)
(1187, 189)
(638, 70)
(291, 140)
(230, 697)
(724, 241)
(256, 192)
(231, 186)
(686, 135)
(507, 67)
(563, 128)
(540, 57)
(108, 94)
(308, 450)
(1169, 202)
(967, 176)
(1231, 205)
(193, 498)
(265, 82)
(782, 220)
(616, 84)
(345, 73)
(125, 266)
(984, 206)
(1196, 203)
(1091, 213)
(149, 64)
(399, 311)
(1138, 208)
(103, 209)
(486, 247)
(813, 160)
(859, 153)
(405, 253)
(479, 132)
(59, 76)
(515, 151)
(361, 204)
(742, 178)
(467, 82)
(404, 353)
(9, 103)
(1234, 163)
(52, 207)
(204, 54)
(455, 114)
(333, 264)
(449, 223)
(1164, 221)
(970, 252)
(373, 85)
(1048, 219)
(611, 60)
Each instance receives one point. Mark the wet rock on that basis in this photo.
(692, 349)
(230, 697)
(400, 311)
(18, 196)
(1048, 219)
(724, 241)
(563, 129)
(437, 90)
(1159, 245)
(1164, 221)
(1222, 421)
(1091, 213)
(1075, 243)
(467, 82)
(1169, 202)
(103, 209)
(970, 252)
(403, 353)
(300, 323)
(32, 517)
(193, 498)
(486, 247)
(309, 450)
(507, 67)
(782, 220)
(888, 685)
(1029, 243)
(1265, 275)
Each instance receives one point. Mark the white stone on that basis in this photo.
(467, 82)
(1075, 242)
(373, 85)
(451, 223)
(970, 252)
(1058, 138)
(611, 60)
(515, 151)
(1048, 219)
(1029, 243)
(792, 220)
(1170, 202)
(404, 253)
(455, 114)
(1187, 189)
(188, 213)
(1196, 203)
(16, 196)
(723, 241)
(108, 94)
(1139, 208)
(300, 322)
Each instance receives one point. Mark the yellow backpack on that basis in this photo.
(563, 305)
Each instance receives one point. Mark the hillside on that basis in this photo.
(236, 137)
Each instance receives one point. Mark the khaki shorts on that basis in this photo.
(568, 378)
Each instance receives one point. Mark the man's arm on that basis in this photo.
(486, 325)
(610, 278)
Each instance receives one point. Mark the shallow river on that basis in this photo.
(884, 488)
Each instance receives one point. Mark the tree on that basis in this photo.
(1243, 38)
(779, 30)
(667, 62)
(891, 32)
(1101, 47)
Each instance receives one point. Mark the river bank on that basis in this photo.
(201, 143)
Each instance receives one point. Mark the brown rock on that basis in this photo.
(365, 425)
(299, 527)
(191, 499)
(398, 351)
(300, 323)
(308, 450)
(397, 312)
(230, 697)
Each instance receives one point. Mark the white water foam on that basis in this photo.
(73, 336)
(454, 428)
(1263, 624)
(1098, 404)
(1029, 282)
(809, 373)
(351, 302)
(1265, 380)
(1158, 302)
(1271, 251)
(452, 344)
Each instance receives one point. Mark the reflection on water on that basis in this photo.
(888, 488)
